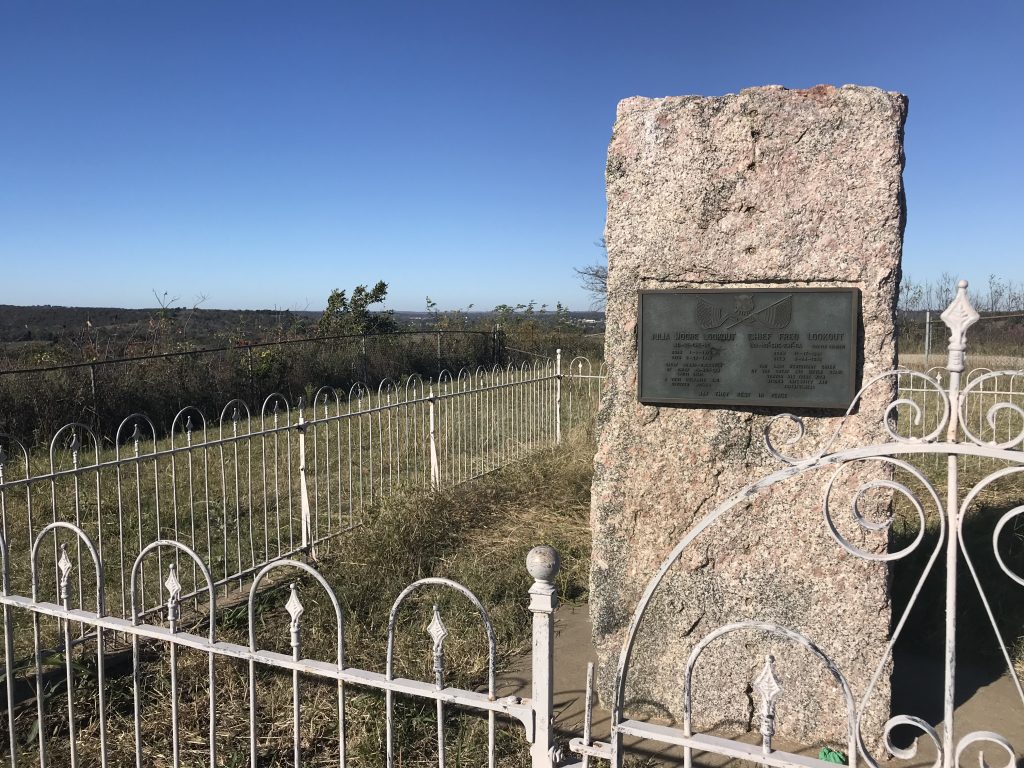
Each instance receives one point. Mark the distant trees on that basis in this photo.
(520, 315)
(452, 319)
(346, 315)
(999, 300)
(594, 277)
(996, 295)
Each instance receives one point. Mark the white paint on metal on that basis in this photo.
(543, 563)
(260, 486)
(958, 317)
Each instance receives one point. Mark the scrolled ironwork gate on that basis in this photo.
(992, 440)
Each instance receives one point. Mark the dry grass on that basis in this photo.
(995, 362)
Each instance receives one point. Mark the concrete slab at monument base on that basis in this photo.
(764, 188)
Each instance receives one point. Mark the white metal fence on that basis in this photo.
(987, 398)
(151, 524)
(57, 700)
(253, 486)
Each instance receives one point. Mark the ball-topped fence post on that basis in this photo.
(542, 562)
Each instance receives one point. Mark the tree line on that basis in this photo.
(997, 294)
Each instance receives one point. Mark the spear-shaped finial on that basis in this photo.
(438, 632)
(958, 317)
(768, 686)
(64, 566)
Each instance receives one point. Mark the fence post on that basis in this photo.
(95, 402)
(558, 397)
(499, 344)
(252, 380)
(366, 362)
(435, 469)
(927, 336)
(543, 563)
(303, 488)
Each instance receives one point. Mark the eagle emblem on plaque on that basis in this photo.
(775, 314)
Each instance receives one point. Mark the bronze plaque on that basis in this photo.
(756, 347)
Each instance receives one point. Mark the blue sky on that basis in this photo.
(260, 154)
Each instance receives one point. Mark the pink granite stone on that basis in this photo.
(765, 188)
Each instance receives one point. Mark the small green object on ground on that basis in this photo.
(832, 755)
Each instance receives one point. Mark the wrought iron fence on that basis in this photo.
(922, 408)
(251, 487)
(57, 700)
(153, 526)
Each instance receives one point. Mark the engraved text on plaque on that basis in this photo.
(757, 347)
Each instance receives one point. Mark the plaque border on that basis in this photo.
(747, 402)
